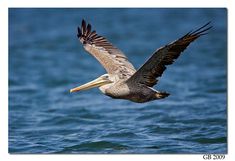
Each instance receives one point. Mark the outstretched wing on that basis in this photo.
(166, 55)
(110, 57)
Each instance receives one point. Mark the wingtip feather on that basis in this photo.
(79, 34)
(200, 31)
(83, 26)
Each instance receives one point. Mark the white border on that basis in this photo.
(117, 3)
(5, 4)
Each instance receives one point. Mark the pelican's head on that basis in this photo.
(100, 81)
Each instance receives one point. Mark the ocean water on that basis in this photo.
(46, 61)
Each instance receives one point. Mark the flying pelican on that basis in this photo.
(122, 80)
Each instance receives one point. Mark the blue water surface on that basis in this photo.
(46, 60)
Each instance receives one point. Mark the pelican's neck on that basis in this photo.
(114, 79)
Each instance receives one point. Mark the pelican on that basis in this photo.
(122, 80)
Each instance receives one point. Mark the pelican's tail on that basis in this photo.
(160, 95)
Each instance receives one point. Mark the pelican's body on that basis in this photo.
(122, 80)
(121, 90)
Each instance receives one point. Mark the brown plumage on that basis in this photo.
(111, 58)
(164, 56)
(122, 80)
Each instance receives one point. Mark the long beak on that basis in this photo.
(95, 83)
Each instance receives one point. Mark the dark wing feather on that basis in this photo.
(166, 55)
(110, 57)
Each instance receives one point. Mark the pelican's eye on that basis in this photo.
(106, 76)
